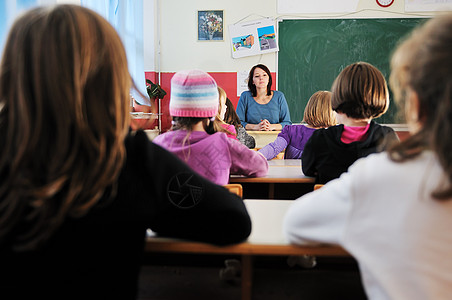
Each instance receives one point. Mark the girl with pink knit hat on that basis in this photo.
(193, 106)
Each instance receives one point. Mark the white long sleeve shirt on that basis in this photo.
(382, 212)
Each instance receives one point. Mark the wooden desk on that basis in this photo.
(266, 239)
(280, 171)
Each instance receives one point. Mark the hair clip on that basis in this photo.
(212, 119)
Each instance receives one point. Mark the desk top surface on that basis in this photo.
(285, 162)
(266, 217)
(279, 171)
(261, 133)
(266, 238)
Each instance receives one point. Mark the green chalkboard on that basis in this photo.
(313, 52)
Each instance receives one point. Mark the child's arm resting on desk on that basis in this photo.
(183, 204)
(272, 149)
(245, 161)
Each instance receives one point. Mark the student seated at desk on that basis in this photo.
(78, 189)
(219, 124)
(232, 118)
(393, 210)
(317, 114)
(194, 105)
(260, 108)
(359, 94)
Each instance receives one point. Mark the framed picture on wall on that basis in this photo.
(210, 25)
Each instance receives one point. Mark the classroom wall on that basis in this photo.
(176, 35)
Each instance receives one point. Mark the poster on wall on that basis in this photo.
(253, 38)
(242, 82)
(210, 25)
(427, 5)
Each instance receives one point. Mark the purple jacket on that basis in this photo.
(292, 138)
(214, 156)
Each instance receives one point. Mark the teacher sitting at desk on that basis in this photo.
(260, 108)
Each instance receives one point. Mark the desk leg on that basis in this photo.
(247, 277)
(271, 191)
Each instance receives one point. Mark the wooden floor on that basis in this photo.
(196, 277)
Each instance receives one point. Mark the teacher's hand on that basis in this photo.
(264, 125)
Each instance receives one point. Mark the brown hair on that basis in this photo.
(64, 93)
(318, 112)
(251, 85)
(231, 116)
(360, 91)
(423, 64)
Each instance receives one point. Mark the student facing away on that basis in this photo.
(359, 94)
(77, 189)
(219, 124)
(231, 117)
(194, 105)
(393, 210)
(317, 114)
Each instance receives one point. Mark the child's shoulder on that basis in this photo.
(332, 132)
(374, 126)
(295, 128)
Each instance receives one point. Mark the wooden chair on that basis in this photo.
(317, 186)
(280, 155)
(235, 188)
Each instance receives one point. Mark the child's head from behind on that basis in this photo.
(421, 77)
(64, 93)
(360, 92)
(318, 112)
(222, 103)
(194, 98)
(219, 118)
(423, 64)
(231, 116)
(66, 52)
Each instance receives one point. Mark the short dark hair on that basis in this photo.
(360, 91)
(251, 85)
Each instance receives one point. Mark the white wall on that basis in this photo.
(150, 30)
(180, 48)
(178, 33)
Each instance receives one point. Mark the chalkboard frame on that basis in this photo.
(312, 52)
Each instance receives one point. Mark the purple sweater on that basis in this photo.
(292, 138)
(214, 156)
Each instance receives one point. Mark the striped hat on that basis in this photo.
(194, 93)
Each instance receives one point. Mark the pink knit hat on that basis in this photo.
(194, 93)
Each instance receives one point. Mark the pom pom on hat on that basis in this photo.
(194, 93)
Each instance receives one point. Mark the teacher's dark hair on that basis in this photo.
(251, 85)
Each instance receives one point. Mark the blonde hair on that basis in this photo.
(218, 122)
(318, 112)
(423, 63)
(64, 90)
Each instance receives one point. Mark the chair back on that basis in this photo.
(317, 186)
(235, 188)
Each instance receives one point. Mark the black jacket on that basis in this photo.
(98, 256)
(326, 157)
